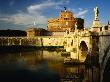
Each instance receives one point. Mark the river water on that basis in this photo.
(43, 66)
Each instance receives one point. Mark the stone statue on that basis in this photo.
(76, 26)
(66, 31)
(96, 13)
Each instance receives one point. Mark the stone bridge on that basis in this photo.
(93, 41)
(83, 43)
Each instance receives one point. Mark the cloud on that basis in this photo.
(10, 25)
(80, 9)
(81, 13)
(34, 13)
(42, 6)
(58, 7)
(27, 19)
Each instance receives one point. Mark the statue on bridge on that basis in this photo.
(76, 26)
(96, 10)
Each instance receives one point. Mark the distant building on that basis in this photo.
(32, 32)
(64, 22)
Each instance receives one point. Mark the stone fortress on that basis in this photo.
(64, 22)
(58, 26)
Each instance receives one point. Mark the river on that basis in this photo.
(43, 66)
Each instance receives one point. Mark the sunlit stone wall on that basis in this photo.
(32, 41)
(50, 41)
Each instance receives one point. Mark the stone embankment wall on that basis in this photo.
(50, 41)
(32, 41)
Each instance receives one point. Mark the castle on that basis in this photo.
(58, 26)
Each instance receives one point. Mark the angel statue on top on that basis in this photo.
(96, 10)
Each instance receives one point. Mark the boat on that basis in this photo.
(71, 61)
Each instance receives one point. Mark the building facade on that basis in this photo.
(31, 32)
(64, 22)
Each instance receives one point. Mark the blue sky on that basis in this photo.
(20, 14)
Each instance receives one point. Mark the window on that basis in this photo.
(101, 29)
(65, 18)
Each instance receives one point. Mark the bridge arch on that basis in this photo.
(87, 41)
(105, 66)
(83, 48)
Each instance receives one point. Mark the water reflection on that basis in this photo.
(41, 66)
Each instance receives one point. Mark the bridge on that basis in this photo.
(94, 41)
(83, 43)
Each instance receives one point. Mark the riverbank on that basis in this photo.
(20, 48)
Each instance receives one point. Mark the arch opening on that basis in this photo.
(83, 49)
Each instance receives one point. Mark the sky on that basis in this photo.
(21, 14)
